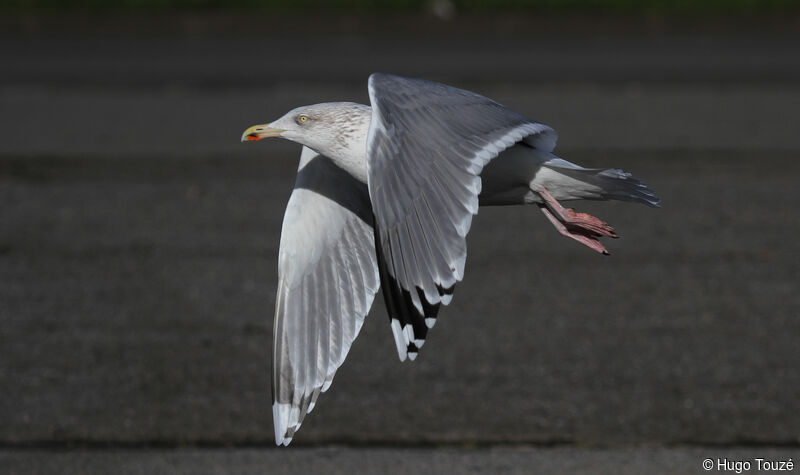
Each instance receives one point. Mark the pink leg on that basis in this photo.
(581, 227)
(580, 220)
(587, 239)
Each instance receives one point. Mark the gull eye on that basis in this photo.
(302, 119)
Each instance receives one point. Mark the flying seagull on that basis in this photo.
(384, 197)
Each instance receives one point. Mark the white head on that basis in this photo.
(332, 128)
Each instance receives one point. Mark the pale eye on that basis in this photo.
(302, 119)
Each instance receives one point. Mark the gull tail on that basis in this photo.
(603, 183)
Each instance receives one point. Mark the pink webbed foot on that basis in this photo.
(581, 227)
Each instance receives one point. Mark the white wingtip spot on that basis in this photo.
(430, 322)
(279, 420)
(410, 337)
(311, 407)
(412, 355)
(286, 441)
(399, 339)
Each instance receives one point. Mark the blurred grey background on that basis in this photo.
(139, 240)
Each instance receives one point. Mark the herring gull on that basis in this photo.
(384, 197)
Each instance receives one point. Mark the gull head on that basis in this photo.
(329, 128)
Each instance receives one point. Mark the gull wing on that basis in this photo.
(426, 147)
(327, 280)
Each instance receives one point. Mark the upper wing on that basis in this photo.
(426, 147)
(327, 279)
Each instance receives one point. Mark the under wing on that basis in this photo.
(327, 280)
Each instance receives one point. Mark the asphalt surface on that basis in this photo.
(138, 293)
(343, 460)
(138, 264)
